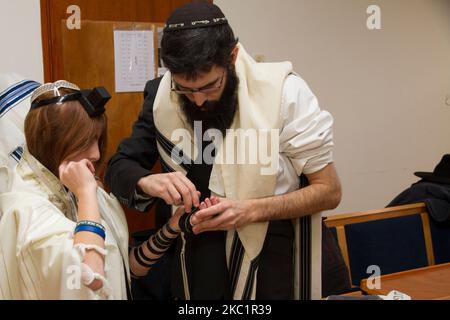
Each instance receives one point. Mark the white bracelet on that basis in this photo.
(88, 276)
(83, 247)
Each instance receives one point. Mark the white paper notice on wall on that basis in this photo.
(134, 59)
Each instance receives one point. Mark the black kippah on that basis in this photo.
(195, 15)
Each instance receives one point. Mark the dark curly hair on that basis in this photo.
(193, 51)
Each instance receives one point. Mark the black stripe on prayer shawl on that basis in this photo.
(165, 166)
(17, 154)
(248, 289)
(172, 150)
(305, 251)
(305, 258)
(236, 256)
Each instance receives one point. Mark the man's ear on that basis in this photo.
(234, 54)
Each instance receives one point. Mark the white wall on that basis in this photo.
(20, 33)
(386, 89)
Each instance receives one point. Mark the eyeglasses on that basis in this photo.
(207, 89)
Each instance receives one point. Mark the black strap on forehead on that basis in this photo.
(54, 100)
(93, 101)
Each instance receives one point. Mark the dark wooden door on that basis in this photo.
(53, 11)
(62, 61)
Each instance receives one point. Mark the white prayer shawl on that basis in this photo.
(259, 96)
(15, 92)
(37, 255)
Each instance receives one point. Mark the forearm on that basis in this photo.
(143, 257)
(88, 210)
(306, 201)
(323, 193)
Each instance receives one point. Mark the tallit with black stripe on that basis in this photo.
(259, 96)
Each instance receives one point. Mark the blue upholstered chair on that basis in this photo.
(440, 233)
(394, 239)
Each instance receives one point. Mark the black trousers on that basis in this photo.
(275, 279)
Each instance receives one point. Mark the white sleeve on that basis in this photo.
(49, 263)
(306, 137)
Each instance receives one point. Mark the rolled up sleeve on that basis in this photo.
(306, 137)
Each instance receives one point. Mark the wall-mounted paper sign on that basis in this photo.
(134, 59)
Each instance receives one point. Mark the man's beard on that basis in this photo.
(217, 114)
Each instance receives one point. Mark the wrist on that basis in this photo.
(253, 207)
(140, 185)
(88, 208)
(89, 216)
(88, 192)
(173, 224)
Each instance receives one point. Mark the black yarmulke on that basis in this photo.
(195, 15)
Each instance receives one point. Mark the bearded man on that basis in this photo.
(262, 239)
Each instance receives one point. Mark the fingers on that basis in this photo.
(178, 213)
(90, 166)
(214, 200)
(190, 196)
(76, 166)
(174, 195)
(78, 176)
(180, 210)
(173, 221)
(213, 224)
(174, 188)
(207, 213)
(184, 194)
(63, 165)
(62, 168)
(195, 195)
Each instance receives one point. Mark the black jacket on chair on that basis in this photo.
(436, 197)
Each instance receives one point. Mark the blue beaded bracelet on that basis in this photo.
(91, 223)
(90, 228)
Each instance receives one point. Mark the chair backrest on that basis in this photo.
(440, 233)
(394, 239)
